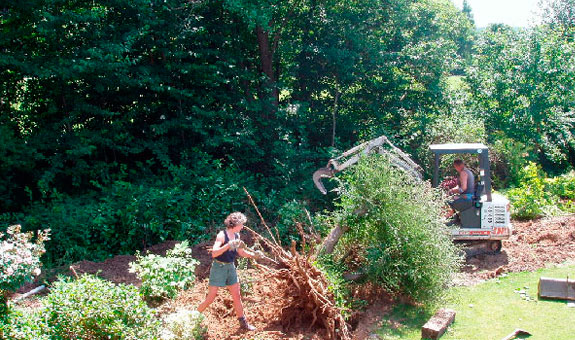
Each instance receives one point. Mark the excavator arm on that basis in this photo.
(381, 145)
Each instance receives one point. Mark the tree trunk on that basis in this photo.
(267, 60)
(3, 305)
(334, 116)
(331, 240)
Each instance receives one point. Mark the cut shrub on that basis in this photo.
(395, 231)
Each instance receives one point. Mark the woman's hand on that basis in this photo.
(258, 255)
(235, 244)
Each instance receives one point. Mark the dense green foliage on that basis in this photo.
(101, 102)
(18, 325)
(522, 84)
(539, 195)
(396, 232)
(562, 186)
(126, 123)
(91, 308)
(125, 216)
(87, 308)
(163, 277)
(530, 199)
(89, 90)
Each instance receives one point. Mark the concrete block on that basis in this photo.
(437, 325)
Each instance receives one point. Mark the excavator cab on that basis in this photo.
(486, 218)
(469, 211)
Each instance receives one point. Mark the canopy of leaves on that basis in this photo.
(522, 85)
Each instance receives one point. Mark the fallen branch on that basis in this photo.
(260, 215)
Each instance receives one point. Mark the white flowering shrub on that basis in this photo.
(163, 277)
(19, 257)
(184, 325)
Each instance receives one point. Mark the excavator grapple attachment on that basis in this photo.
(319, 174)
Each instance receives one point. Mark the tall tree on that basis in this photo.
(558, 13)
(523, 86)
(93, 92)
(468, 12)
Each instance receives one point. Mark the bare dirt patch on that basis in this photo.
(262, 294)
(534, 244)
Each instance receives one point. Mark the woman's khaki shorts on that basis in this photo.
(223, 274)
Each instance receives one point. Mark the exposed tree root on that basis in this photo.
(308, 299)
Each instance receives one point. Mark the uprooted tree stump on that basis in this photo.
(307, 291)
(306, 288)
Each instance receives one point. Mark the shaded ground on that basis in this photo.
(534, 244)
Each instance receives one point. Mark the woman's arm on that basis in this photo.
(218, 249)
(245, 253)
(463, 181)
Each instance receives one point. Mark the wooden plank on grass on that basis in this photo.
(437, 325)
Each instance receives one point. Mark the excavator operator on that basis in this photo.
(465, 187)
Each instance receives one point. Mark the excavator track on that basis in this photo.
(480, 247)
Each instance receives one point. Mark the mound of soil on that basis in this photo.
(534, 244)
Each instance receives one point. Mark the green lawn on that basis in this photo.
(493, 309)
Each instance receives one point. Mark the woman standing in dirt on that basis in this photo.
(223, 272)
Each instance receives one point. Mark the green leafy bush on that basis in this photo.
(395, 230)
(125, 216)
(509, 158)
(530, 199)
(164, 277)
(562, 186)
(27, 325)
(289, 215)
(184, 325)
(92, 308)
(339, 287)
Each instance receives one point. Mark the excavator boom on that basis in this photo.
(381, 145)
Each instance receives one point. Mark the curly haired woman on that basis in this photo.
(223, 271)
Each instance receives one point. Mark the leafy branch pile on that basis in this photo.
(394, 231)
(387, 227)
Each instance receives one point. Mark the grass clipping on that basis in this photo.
(306, 291)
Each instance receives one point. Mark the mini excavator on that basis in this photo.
(481, 224)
